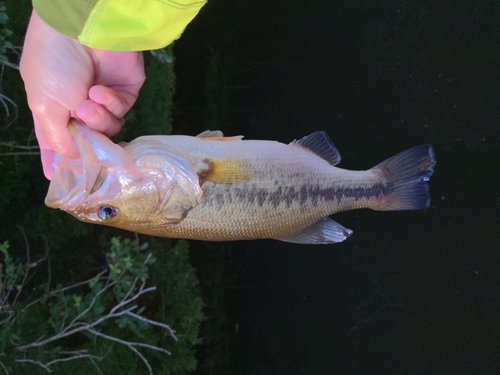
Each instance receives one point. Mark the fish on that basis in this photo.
(216, 188)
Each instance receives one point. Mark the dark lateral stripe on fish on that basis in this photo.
(289, 195)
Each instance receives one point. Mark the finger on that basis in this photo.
(47, 157)
(46, 154)
(118, 102)
(99, 118)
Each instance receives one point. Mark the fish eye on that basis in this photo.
(106, 212)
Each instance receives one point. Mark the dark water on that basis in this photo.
(409, 292)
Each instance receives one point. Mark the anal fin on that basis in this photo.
(325, 231)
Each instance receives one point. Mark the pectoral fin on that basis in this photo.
(226, 171)
(325, 231)
(176, 205)
(175, 213)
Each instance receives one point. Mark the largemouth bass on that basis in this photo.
(217, 188)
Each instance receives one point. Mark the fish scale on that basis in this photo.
(219, 188)
(251, 211)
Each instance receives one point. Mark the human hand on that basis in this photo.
(65, 79)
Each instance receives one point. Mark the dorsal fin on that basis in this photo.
(216, 135)
(210, 134)
(319, 143)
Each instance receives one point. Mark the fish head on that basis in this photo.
(110, 186)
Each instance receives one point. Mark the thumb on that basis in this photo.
(51, 126)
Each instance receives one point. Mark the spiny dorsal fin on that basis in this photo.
(321, 145)
(210, 134)
(216, 135)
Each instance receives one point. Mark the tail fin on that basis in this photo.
(407, 174)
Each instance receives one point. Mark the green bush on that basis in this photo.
(111, 323)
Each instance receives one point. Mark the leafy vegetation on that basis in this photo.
(92, 322)
(6, 50)
(5, 33)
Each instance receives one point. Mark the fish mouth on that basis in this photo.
(74, 180)
(72, 183)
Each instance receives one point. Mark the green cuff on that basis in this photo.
(66, 16)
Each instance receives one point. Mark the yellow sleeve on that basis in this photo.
(121, 25)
